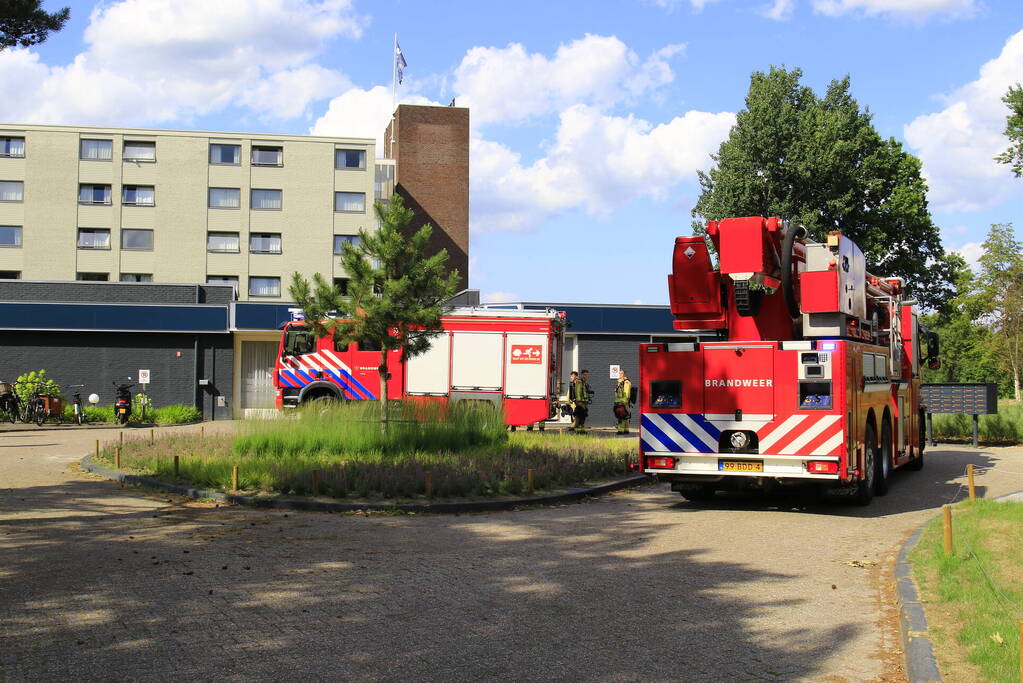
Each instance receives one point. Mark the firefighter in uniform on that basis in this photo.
(581, 398)
(623, 395)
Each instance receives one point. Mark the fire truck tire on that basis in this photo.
(865, 488)
(884, 464)
(697, 493)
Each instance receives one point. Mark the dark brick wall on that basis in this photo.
(431, 152)
(114, 292)
(97, 359)
(597, 352)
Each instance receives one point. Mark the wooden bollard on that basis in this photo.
(429, 484)
(117, 457)
(969, 480)
(176, 466)
(316, 482)
(152, 436)
(97, 448)
(202, 431)
(234, 477)
(530, 479)
(122, 438)
(946, 513)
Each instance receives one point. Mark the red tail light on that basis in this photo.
(660, 463)
(822, 467)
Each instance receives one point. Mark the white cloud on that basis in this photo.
(971, 252)
(362, 114)
(498, 297)
(958, 143)
(672, 5)
(917, 10)
(779, 10)
(508, 84)
(148, 61)
(597, 162)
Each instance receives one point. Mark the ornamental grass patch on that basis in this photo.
(468, 454)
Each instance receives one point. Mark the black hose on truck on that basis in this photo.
(788, 242)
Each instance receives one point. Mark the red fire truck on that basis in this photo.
(813, 377)
(510, 359)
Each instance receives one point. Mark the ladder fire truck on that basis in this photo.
(813, 377)
(510, 359)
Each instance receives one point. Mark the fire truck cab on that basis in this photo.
(814, 377)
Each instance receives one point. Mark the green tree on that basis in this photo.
(1001, 295)
(24, 22)
(1013, 156)
(396, 294)
(820, 163)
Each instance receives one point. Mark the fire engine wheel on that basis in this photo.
(697, 493)
(865, 489)
(884, 465)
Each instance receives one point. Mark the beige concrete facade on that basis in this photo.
(51, 215)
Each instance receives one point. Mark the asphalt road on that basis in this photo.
(99, 583)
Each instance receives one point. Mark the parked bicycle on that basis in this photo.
(76, 403)
(10, 405)
(40, 406)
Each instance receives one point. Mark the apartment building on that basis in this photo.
(166, 206)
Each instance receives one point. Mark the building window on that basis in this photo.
(340, 240)
(10, 274)
(136, 277)
(97, 149)
(93, 238)
(266, 199)
(267, 156)
(93, 194)
(140, 240)
(264, 286)
(350, 202)
(341, 284)
(350, 158)
(11, 190)
(264, 243)
(10, 235)
(223, 280)
(139, 151)
(92, 277)
(222, 242)
(12, 147)
(139, 195)
(226, 154)
(225, 197)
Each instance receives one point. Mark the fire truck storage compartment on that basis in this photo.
(479, 363)
(429, 373)
(526, 365)
(738, 377)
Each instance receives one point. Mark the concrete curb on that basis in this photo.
(334, 506)
(921, 664)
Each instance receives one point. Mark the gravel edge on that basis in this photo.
(921, 664)
(336, 506)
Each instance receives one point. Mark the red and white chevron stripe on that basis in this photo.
(803, 435)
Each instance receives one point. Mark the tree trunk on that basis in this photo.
(383, 391)
(1015, 386)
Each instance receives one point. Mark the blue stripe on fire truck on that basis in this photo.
(678, 433)
(296, 379)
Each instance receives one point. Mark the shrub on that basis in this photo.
(176, 414)
(36, 380)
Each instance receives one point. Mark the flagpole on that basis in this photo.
(394, 93)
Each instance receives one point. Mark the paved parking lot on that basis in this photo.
(100, 583)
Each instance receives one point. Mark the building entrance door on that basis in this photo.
(258, 360)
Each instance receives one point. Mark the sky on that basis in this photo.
(589, 119)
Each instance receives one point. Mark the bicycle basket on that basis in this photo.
(6, 388)
(54, 405)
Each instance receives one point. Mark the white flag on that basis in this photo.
(399, 61)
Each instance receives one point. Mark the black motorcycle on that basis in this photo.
(10, 405)
(122, 406)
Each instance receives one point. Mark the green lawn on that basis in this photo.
(468, 455)
(974, 598)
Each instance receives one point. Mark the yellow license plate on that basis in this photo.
(741, 465)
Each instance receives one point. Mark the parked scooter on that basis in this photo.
(122, 406)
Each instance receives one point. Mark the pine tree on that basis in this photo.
(24, 22)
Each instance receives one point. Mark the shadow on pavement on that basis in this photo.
(101, 586)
